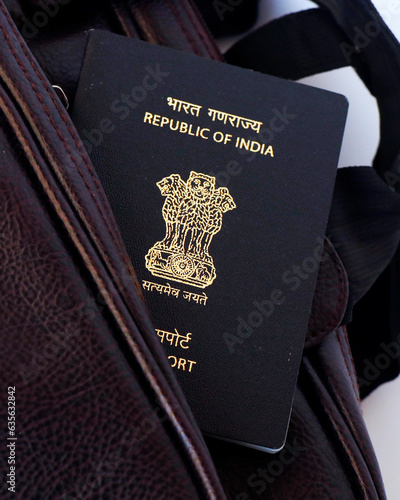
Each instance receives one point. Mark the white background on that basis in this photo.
(381, 409)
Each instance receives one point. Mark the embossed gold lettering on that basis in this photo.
(180, 126)
(174, 363)
(147, 117)
(191, 363)
(182, 363)
(254, 146)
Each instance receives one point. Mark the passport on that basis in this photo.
(220, 180)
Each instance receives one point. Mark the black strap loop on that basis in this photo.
(292, 47)
(364, 221)
(341, 33)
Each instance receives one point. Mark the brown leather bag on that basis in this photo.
(98, 411)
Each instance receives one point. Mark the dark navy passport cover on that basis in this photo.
(220, 180)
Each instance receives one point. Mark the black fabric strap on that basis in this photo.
(342, 33)
(292, 47)
(364, 222)
(377, 60)
(364, 226)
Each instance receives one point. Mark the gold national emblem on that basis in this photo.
(192, 212)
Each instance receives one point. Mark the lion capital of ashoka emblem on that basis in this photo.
(192, 212)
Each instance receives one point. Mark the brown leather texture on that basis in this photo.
(330, 296)
(99, 413)
(328, 454)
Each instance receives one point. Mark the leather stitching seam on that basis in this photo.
(124, 257)
(349, 362)
(341, 437)
(206, 40)
(342, 297)
(183, 27)
(95, 267)
(345, 359)
(55, 126)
